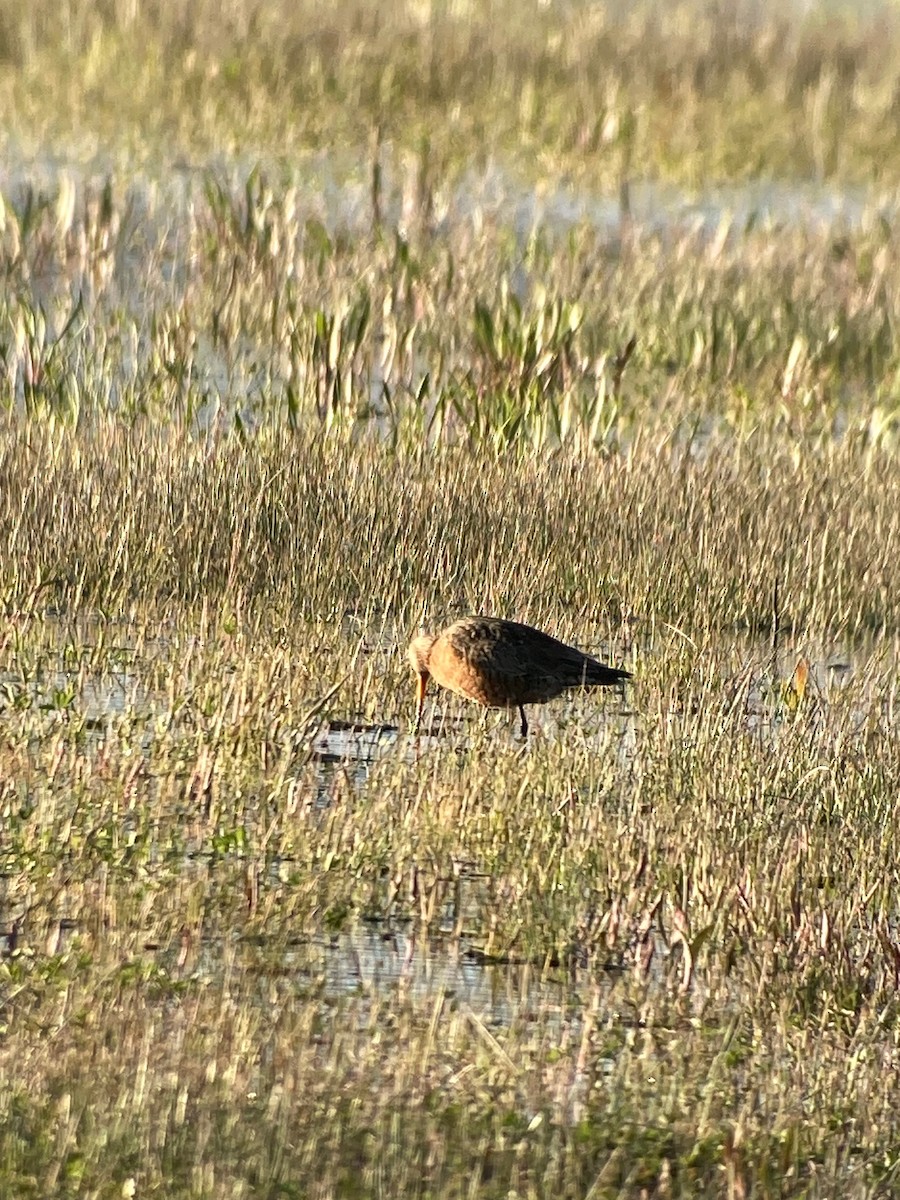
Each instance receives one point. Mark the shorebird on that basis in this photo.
(502, 664)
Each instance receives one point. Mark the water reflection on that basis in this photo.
(374, 959)
(335, 191)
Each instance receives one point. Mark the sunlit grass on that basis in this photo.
(175, 863)
(268, 409)
(305, 528)
(256, 313)
(599, 92)
(671, 875)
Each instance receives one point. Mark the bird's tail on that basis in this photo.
(597, 675)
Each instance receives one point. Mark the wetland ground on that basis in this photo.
(320, 325)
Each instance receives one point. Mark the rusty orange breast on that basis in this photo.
(453, 670)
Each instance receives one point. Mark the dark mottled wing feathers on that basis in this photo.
(522, 665)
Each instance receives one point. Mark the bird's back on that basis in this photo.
(503, 663)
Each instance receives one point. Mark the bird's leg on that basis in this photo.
(524, 721)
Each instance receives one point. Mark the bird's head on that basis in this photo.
(419, 653)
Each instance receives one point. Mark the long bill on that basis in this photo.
(421, 686)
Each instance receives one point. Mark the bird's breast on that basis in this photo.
(462, 674)
(479, 677)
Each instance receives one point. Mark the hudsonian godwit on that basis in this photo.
(503, 664)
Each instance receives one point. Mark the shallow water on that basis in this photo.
(336, 191)
(150, 268)
(376, 958)
(388, 954)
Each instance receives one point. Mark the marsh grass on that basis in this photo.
(360, 541)
(595, 91)
(706, 911)
(255, 313)
(701, 882)
(257, 430)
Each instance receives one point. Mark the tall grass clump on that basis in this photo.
(313, 529)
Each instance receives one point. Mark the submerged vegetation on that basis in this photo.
(264, 416)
